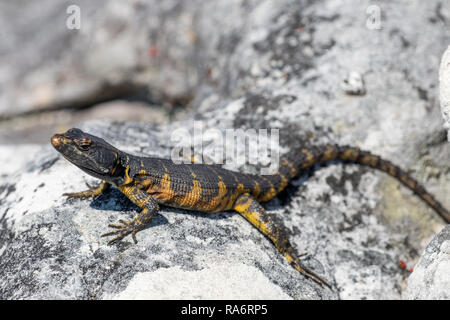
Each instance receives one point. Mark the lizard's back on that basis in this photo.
(202, 187)
(212, 188)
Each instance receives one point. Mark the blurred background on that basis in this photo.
(63, 62)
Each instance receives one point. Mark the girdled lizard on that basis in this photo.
(148, 182)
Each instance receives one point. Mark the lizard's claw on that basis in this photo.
(81, 195)
(308, 273)
(123, 229)
(91, 187)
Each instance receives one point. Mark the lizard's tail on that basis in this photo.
(308, 157)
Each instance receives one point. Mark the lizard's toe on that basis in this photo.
(123, 229)
(80, 195)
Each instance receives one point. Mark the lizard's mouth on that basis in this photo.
(91, 172)
(88, 169)
(55, 141)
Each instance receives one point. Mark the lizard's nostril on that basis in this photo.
(55, 140)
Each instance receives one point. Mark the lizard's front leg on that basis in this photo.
(149, 209)
(91, 192)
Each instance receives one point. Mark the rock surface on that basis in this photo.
(255, 64)
(444, 86)
(117, 52)
(431, 277)
(231, 281)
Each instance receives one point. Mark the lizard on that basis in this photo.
(150, 182)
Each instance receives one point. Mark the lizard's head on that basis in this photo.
(90, 153)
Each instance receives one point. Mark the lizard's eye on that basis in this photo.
(84, 144)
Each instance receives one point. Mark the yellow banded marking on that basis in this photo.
(242, 207)
(256, 189)
(350, 154)
(237, 192)
(270, 193)
(193, 196)
(165, 191)
(289, 258)
(289, 164)
(127, 175)
(370, 160)
(284, 182)
(310, 159)
(254, 218)
(248, 189)
(329, 154)
(143, 212)
(240, 189)
(127, 190)
(218, 202)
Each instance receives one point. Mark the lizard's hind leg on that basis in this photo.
(251, 210)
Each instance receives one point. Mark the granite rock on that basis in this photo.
(431, 278)
(444, 86)
(250, 65)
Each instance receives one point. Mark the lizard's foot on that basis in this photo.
(80, 195)
(295, 262)
(123, 229)
(92, 192)
(309, 274)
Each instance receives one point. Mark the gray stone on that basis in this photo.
(444, 86)
(431, 277)
(116, 53)
(354, 84)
